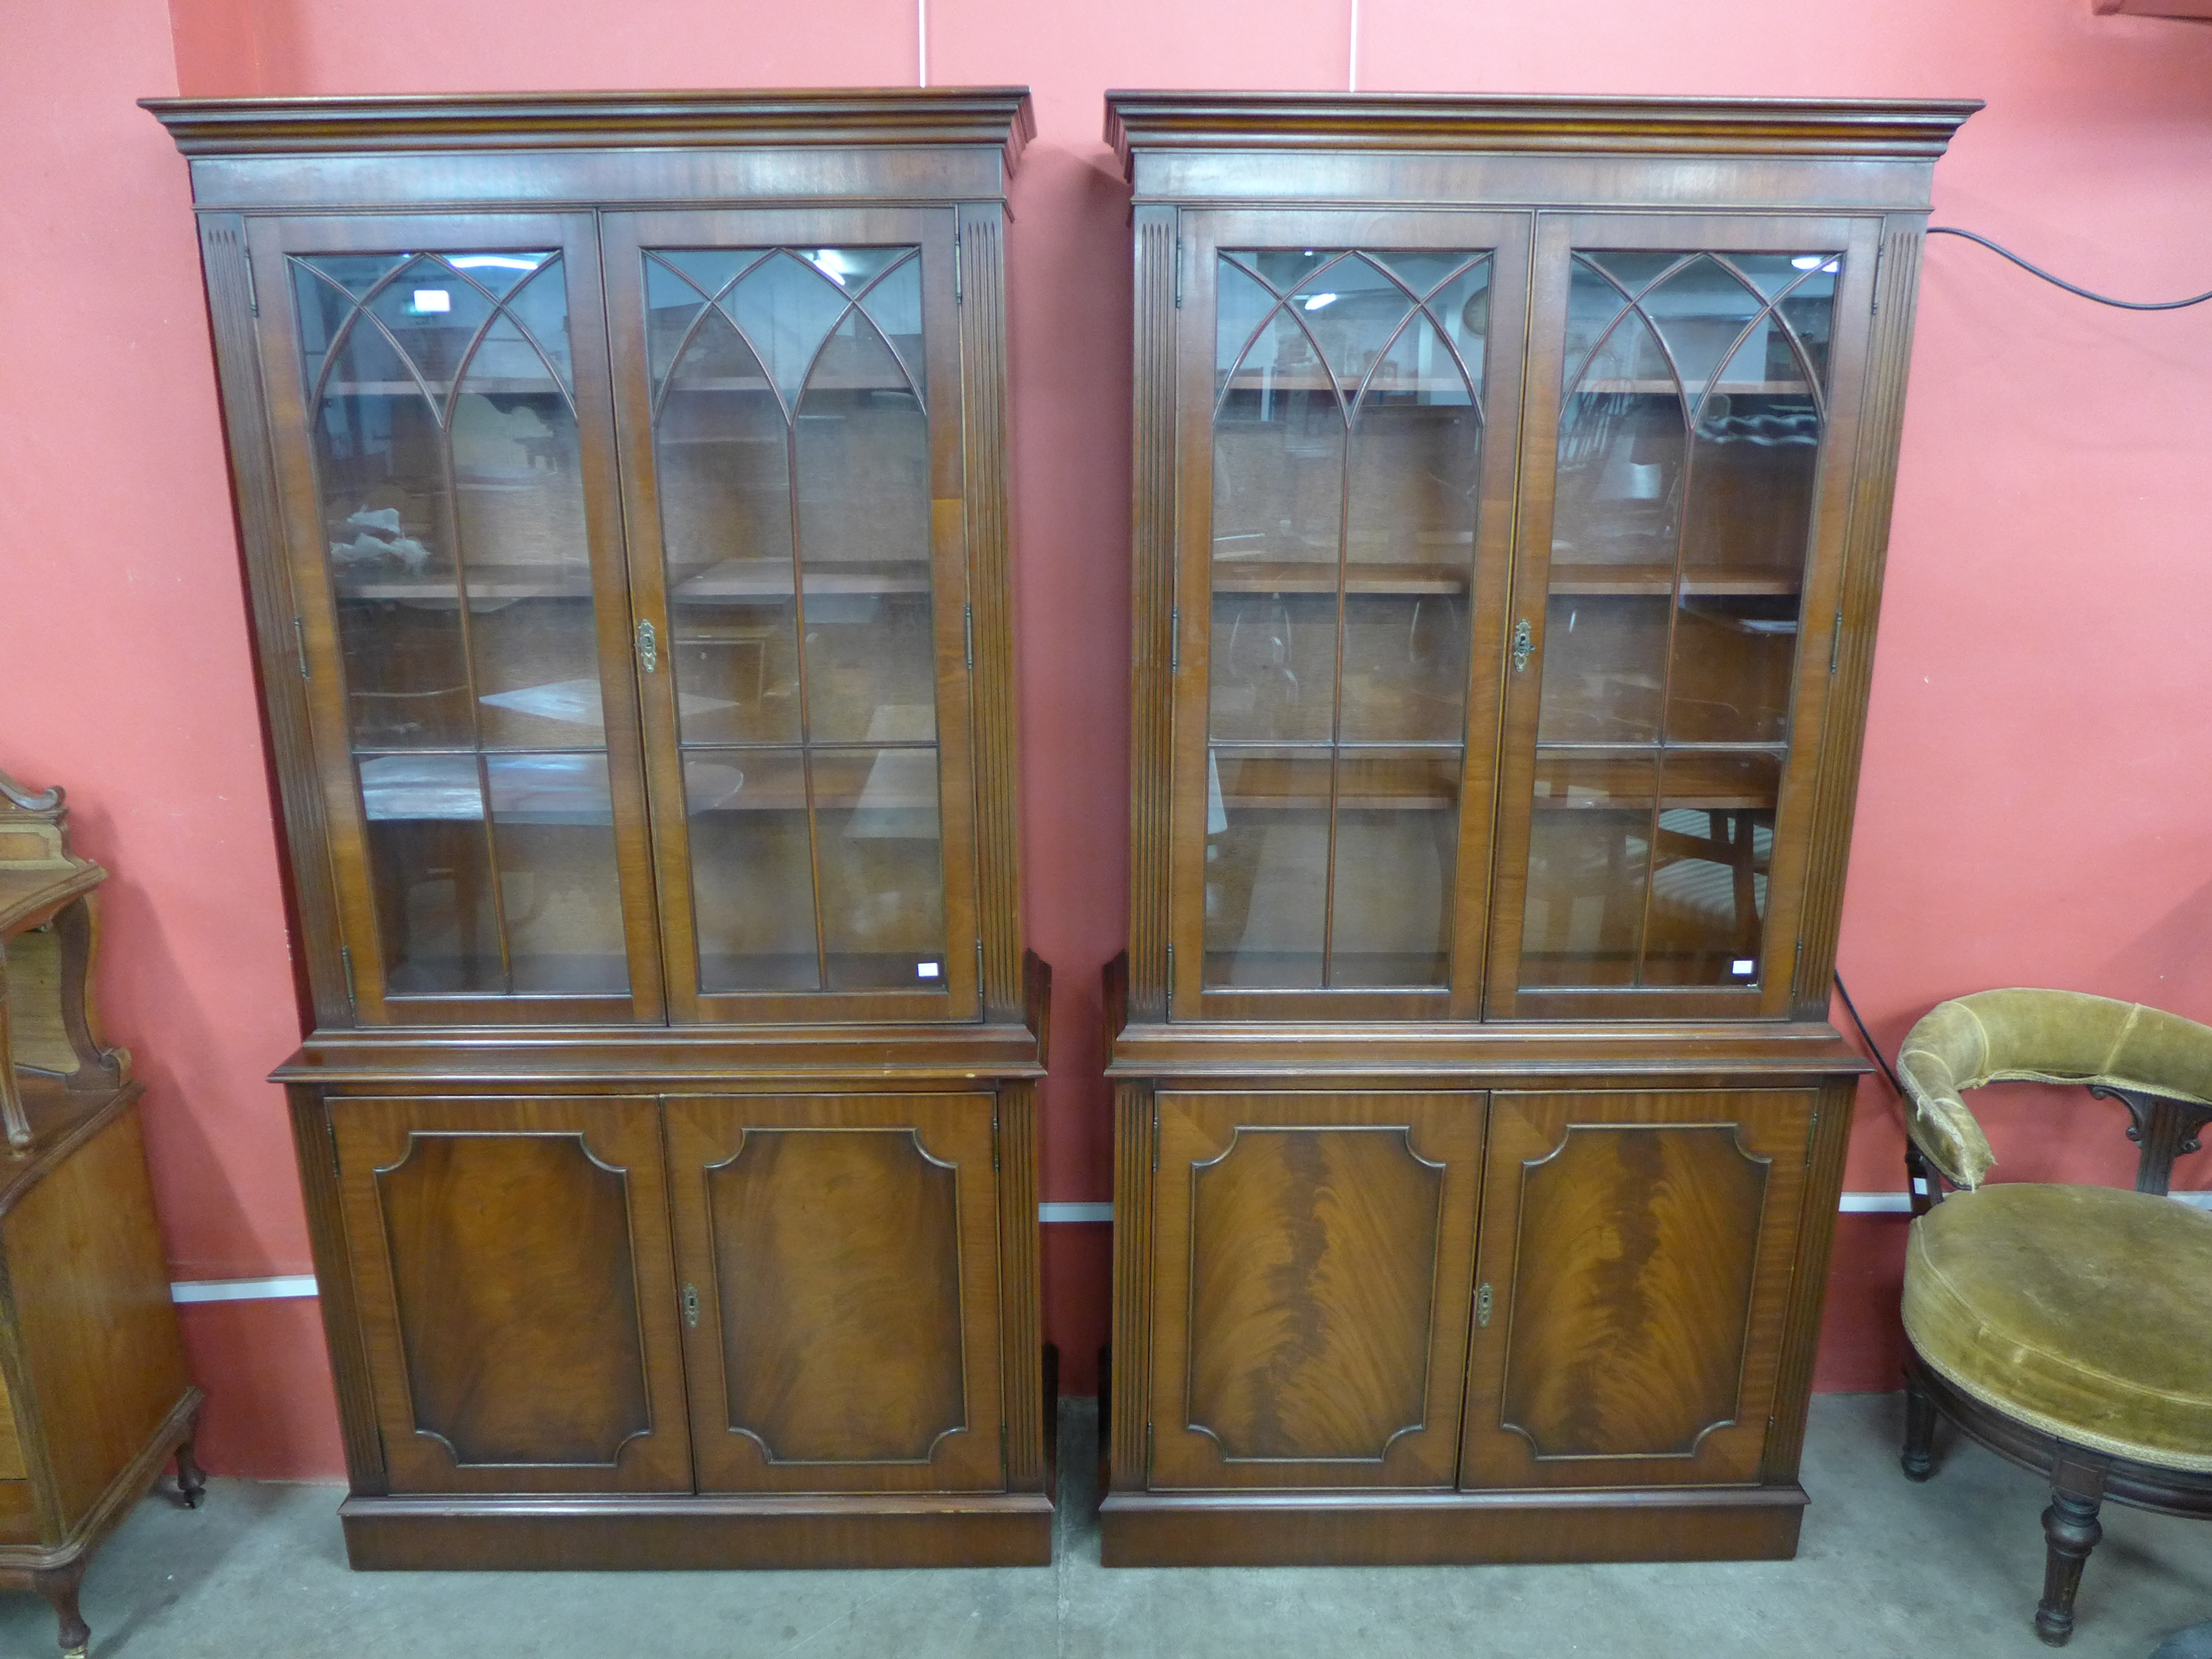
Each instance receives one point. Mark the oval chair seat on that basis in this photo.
(2082, 1311)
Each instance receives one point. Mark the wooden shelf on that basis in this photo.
(818, 383)
(1309, 379)
(1699, 388)
(489, 582)
(495, 386)
(1659, 578)
(1290, 576)
(741, 582)
(1706, 780)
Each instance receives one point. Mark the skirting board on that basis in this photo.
(656, 1533)
(1419, 1529)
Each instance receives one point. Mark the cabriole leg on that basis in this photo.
(59, 1588)
(2070, 1526)
(1919, 1458)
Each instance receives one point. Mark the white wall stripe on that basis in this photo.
(242, 1289)
(295, 1285)
(1075, 1212)
(1876, 1204)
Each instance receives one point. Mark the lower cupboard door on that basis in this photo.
(839, 1260)
(1634, 1262)
(1311, 1270)
(510, 1259)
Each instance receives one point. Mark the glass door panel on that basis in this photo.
(444, 508)
(1349, 392)
(800, 433)
(1690, 403)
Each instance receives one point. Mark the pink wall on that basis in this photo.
(2031, 812)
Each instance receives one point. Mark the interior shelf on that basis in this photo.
(749, 580)
(1699, 388)
(1290, 576)
(1710, 780)
(485, 581)
(1659, 578)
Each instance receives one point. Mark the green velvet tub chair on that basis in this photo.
(2066, 1327)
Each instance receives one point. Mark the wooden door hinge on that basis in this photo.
(1175, 639)
(252, 299)
(345, 960)
(300, 642)
(967, 632)
(1874, 306)
(1836, 642)
(1156, 1138)
(995, 1142)
(959, 296)
(1178, 273)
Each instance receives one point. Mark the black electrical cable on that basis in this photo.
(2038, 271)
(1925, 1186)
(1923, 1183)
(1874, 1048)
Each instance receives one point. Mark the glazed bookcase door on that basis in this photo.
(1635, 1258)
(1311, 1265)
(1692, 419)
(789, 407)
(839, 1275)
(1348, 391)
(444, 445)
(510, 1262)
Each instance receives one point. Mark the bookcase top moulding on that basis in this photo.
(1889, 128)
(1687, 154)
(998, 116)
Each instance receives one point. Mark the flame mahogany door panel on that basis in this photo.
(1312, 1258)
(1635, 1264)
(839, 1259)
(510, 1259)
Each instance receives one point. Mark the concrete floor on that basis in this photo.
(1886, 1567)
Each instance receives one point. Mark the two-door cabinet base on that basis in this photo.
(654, 1300)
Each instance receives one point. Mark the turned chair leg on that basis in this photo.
(1919, 1460)
(60, 1587)
(2070, 1526)
(192, 1480)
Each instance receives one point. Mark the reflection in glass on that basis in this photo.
(882, 866)
(1347, 478)
(752, 886)
(1397, 841)
(554, 827)
(1692, 413)
(449, 476)
(430, 868)
(1589, 857)
(1267, 867)
(1715, 840)
(793, 448)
